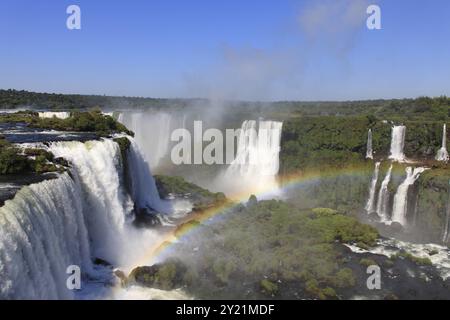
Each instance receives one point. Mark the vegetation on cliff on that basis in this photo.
(11, 161)
(337, 142)
(89, 121)
(14, 160)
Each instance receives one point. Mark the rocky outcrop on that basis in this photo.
(165, 276)
(170, 187)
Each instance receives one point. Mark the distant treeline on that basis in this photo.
(422, 108)
(10, 99)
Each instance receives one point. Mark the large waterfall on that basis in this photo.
(42, 232)
(398, 143)
(70, 221)
(442, 154)
(383, 196)
(256, 164)
(400, 207)
(98, 163)
(445, 233)
(143, 186)
(369, 152)
(152, 132)
(370, 206)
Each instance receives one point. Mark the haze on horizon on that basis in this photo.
(253, 50)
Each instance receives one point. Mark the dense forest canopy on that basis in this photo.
(15, 99)
(422, 108)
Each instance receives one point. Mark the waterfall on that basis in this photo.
(143, 186)
(447, 217)
(397, 143)
(60, 115)
(369, 153)
(383, 196)
(97, 165)
(370, 206)
(256, 164)
(400, 207)
(442, 154)
(152, 132)
(42, 232)
(71, 220)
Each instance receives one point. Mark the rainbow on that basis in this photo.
(160, 250)
(286, 182)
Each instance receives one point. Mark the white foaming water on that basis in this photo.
(369, 152)
(256, 164)
(152, 132)
(42, 232)
(398, 143)
(143, 186)
(111, 114)
(439, 255)
(70, 221)
(97, 163)
(383, 196)
(141, 293)
(400, 207)
(60, 115)
(370, 206)
(442, 154)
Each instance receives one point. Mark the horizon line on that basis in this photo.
(222, 100)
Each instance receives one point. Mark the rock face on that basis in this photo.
(432, 205)
(177, 187)
(252, 201)
(165, 276)
(145, 218)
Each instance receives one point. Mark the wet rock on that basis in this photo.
(122, 277)
(146, 218)
(252, 201)
(101, 262)
(396, 227)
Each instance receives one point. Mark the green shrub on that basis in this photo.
(417, 260)
(269, 287)
(12, 162)
(344, 278)
(367, 262)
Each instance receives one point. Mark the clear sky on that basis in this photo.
(234, 49)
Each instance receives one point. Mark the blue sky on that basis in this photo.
(252, 49)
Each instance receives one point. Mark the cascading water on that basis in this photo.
(152, 132)
(369, 152)
(143, 186)
(398, 143)
(370, 206)
(42, 232)
(445, 234)
(97, 163)
(60, 115)
(70, 221)
(256, 164)
(383, 196)
(442, 154)
(400, 207)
